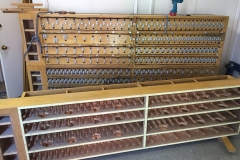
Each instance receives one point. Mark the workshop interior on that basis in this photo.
(122, 79)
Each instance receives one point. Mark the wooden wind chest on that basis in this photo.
(98, 49)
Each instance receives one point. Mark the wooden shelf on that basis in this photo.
(36, 75)
(11, 150)
(33, 53)
(33, 43)
(85, 141)
(83, 113)
(6, 132)
(191, 125)
(63, 128)
(5, 120)
(29, 30)
(101, 151)
(192, 111)
(37, 83)
(183, 138)
(233, 96)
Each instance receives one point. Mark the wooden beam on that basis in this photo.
(23, 10)
(26, 4)
(228, 144)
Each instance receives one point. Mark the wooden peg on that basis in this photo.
(185, 132)
(191, 119)
(170, 121)
(232, 114)
(154, 124)
(210, 117)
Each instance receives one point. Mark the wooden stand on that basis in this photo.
(94, 121)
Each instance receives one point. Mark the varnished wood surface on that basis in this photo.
(108, 94)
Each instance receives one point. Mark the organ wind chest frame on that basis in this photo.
(84, 122)
(98, 49)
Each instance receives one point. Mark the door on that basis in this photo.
(11, 55)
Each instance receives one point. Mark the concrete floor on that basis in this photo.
(202, 150)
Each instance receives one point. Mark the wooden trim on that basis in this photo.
(26, 4)
(228, 144)
(114, 93)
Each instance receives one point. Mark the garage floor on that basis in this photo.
(202, 150)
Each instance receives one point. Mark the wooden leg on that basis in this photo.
(228, 144)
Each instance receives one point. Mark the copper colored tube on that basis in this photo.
(196, 96)
(230, 128)
(194, 107)
(232, 114)
(154, 124)
(162, 137)
(174, 98)
(139, 126)
(236, 102)
(139, 142)
(151, 100)
(139, 112)
(214, 105)
(183, 119)
(149, 138)
(185, 132)
(215, 130)
(134, 102)
(191, 119)
(236, 90)
(174, 135)
(156, 111)
(149, 125)
(176, 120)
(173, 110)
(216, 94)
(170, 121)
(134, 114)
(140, 100)
(159, 123)
(125, 126)
(156, 98)
(126, 101)
(200, 117)
(210, 117)
(165, 122)
(220, 115)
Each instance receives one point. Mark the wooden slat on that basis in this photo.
(27, 4)
(108, 94)
(23, 10)
(228, 144)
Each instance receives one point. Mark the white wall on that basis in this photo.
(219, 7)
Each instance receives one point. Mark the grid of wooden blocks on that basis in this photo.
(96, 49)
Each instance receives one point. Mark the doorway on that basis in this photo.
(3, 93)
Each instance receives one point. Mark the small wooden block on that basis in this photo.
(228, 144)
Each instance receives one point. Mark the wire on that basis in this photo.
(36, 38)
(166, 26)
